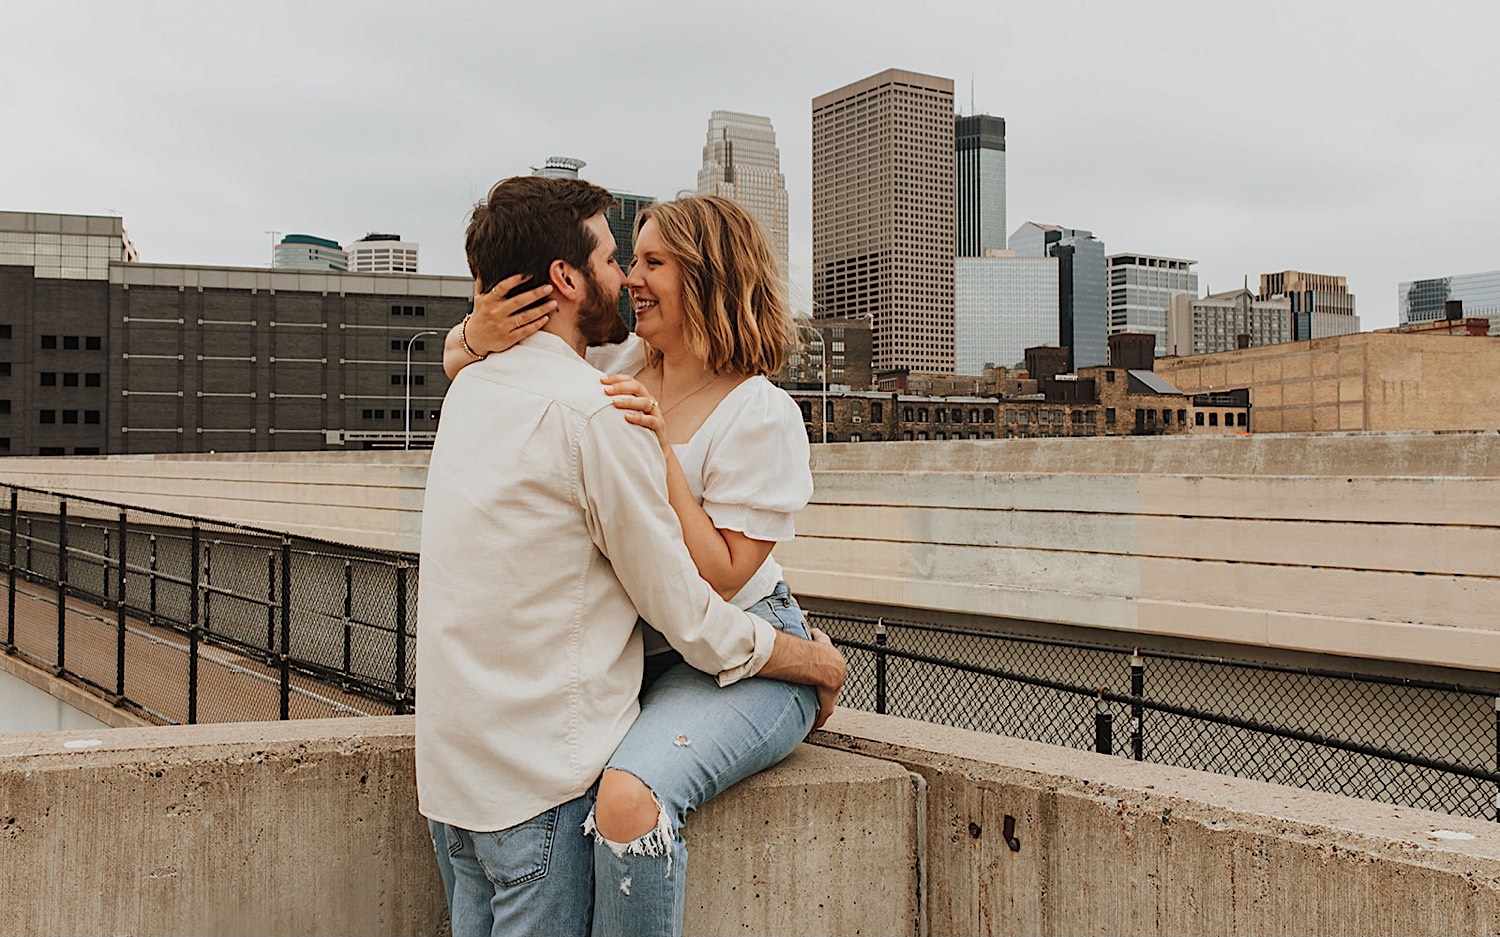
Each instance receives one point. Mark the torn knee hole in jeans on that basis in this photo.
(656, 841)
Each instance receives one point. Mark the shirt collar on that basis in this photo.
(552, 344)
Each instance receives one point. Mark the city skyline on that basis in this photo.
(204, 140)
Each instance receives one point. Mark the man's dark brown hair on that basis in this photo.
(527, 222)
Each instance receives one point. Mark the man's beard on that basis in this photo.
(599, 317)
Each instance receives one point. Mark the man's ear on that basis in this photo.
(567, 282)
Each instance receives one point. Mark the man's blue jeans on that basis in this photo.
(692, 741)
(536, 877)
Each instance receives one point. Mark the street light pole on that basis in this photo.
(409, 342)
(823, 355)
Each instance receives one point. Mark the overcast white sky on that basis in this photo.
(1355, 138)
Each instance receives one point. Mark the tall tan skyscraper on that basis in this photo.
(741, 162)
(883, 219)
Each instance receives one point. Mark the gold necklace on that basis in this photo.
(684, 398)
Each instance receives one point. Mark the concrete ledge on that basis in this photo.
(1109, 846)
(310, 827)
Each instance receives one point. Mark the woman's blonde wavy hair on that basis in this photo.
(735, 314)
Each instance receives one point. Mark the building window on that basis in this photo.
(4, 406)
(1109, 416)
(855, 437)
(49, 341)
(4, 443)
(1077, 416)
(400, 345)
(958, 415)
(922, 416)
(91, 416)
(877, 412)
(1109, 377)
(1239, 419)
(1213, 419)
(4, 369)
(52, 450)
(906, 414)
(942, 415)
(828, 410)
(989, 415)
(408, 310)
(49, 416)
(806, 406)
(70, 342)
(906, 435)
(1181, 416)
(48, 378)
(1166, 417)
(93, 343)
(70, 379)
(4, 332)
(91, 380)
(86, 450)
(1198, 419)
(70, 416)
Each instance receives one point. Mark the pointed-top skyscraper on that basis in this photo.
(741, 162)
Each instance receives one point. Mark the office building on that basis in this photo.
(1141, 287)
(1002, 305)
(1423, 300)
(109, 355)
(308, 252)
(1321, 305)
(979, 181)
(382, 253)
(1082, 293)
(883, 214)
(1226, 321)
(621, 218)
(559, 167)
(843, 344)
(741, 162)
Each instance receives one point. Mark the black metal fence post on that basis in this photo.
(62, 585)
(400, 681)
(120, 613)
(1104, 727)
(10, 615)
(208, 587)
(348, 611)
(151, 576)
(194, 572)
(880, 665)
(1137, 710)
(270, 605)
(104, 568)
(286, 627)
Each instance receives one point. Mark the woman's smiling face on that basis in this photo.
(655, 284)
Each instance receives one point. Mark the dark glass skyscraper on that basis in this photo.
(621, 219)
(979, 183)
(1082, 287)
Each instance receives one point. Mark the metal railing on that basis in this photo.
(188, 620)
(171, 615)
(1402, 741)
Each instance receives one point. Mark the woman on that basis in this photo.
(710, 310)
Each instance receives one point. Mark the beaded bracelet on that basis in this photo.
(463, 339)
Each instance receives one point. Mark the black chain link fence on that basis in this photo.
(190, 620)
(1409, 742)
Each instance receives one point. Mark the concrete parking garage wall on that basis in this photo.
(1381, 545)
(309, 827)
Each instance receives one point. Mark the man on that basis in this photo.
(546, 530)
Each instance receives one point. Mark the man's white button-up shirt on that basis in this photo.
(545, 530)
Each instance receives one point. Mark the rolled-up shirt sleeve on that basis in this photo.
(623, 492)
